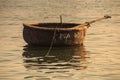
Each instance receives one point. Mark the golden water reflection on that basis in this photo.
(59, 58)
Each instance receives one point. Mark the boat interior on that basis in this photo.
(56, 25)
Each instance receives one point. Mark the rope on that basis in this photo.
(51, 45)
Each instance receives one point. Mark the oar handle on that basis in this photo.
(99, 19)
(88, 23)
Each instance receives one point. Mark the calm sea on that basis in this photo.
(98, 59)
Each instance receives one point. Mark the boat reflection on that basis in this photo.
(59, 58)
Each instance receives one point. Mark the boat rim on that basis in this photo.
(31, 25)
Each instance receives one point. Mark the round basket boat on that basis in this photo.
(43, 34)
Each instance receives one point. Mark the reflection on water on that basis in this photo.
(60, 59)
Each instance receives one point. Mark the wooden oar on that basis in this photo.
(93, 21)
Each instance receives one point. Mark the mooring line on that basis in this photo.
(51, 45)
(55, 29)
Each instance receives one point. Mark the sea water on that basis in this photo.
(98, 59)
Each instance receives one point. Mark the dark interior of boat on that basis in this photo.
(57, 25)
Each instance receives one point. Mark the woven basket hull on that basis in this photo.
(43, 34)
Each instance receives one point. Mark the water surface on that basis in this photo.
(98, 59)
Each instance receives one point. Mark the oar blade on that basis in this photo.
(107, 16)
